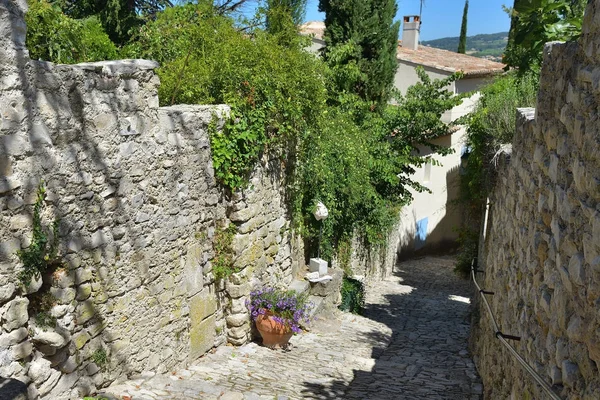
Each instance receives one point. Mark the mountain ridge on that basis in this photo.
(484, 45)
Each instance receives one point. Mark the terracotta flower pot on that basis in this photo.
(273, 333)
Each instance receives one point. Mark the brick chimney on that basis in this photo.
(410, 32)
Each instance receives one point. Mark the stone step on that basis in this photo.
(318, 306)
(299, 286)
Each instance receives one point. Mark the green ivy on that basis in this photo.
(42, 252)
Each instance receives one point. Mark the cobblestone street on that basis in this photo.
(411, 343)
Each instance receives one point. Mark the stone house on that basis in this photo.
(429, 222)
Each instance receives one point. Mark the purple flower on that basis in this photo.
(287, 307)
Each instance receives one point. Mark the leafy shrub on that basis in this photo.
(489, 126)
(275, 91)
(353, 296)
(52, 36)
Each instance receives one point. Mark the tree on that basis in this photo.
(462, 43)
(367, 32)
(283, 18)
(118, 17)
(536, 22)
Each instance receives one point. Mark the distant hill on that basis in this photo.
(489, 45)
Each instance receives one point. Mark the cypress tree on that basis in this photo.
(462, 43)
(368, 36)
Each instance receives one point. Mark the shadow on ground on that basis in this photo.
(426, 356)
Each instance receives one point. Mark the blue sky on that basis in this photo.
(442, 18)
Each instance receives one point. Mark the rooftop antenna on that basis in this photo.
(421, 9)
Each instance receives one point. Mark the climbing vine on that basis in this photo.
(42, 252)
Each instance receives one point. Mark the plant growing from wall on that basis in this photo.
(100, 358)
(40, 304)
(223, 260)
(491, 125)
(42, 252)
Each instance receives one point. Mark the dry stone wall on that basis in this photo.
(133, 186)
(542, 250)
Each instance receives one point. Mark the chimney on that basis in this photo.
(410, 33)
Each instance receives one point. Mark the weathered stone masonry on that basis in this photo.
(134, 188)
(542, 250)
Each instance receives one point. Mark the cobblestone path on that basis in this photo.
(410, 344)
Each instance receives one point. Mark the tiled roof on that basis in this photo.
(428, 56)
(449, 61)
(316, 28)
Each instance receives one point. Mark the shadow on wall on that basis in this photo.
(429, 323)
(442, 239)
(51, 135)
(12, 389)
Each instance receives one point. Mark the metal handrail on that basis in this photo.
(502, 337)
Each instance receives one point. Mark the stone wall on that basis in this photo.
(133, 186)
(542, 245)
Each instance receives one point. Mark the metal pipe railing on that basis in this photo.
(502, 337)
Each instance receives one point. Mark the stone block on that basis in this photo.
(50, 338)
(202, 337)
(12, 338)
(570, 373)
(318, 265)
(80, 339)
(250, 255)
(193, 274)
(237, 291)
(22, 350)
(237, 320)
(202, 305)
(63, 296)
(7, 291)
(84, 312)
(16, 314)
(333, 286)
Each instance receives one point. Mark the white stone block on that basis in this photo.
(318, 265)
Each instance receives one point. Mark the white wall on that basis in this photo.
(406, 75)
(433, 211)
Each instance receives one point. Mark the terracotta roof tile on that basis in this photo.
(449, 61)
(428, 56)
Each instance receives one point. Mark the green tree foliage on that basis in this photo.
(491, 125)
(359, 163)
(536, 22)
(367, 32)
(53, 36)
(118, 17)
(275, 91)
(283, 18)
(462, 43)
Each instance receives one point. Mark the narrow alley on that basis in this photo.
(411, 343)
